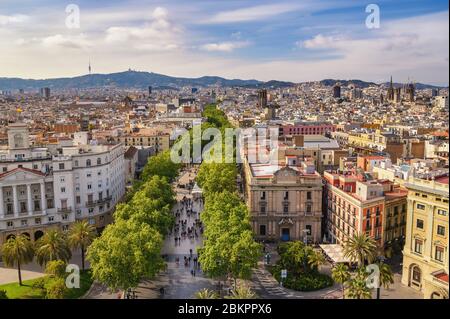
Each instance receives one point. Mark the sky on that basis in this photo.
(290, 40)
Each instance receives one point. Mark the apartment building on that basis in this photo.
(158, 138)
(41, 189)
(355, 203)
(425, 255)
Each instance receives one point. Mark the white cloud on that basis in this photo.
(253, 13)
(67, 41)
(224, 46)
(13, 19)
(320, 42)
(158, 35)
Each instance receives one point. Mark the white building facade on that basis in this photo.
(40, 189)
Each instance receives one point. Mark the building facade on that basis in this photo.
(425, 255)
(357, 204)
(40, 189)
(285, 201)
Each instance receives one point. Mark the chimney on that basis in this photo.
(299, 140)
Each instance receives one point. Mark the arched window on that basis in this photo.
(88, 162)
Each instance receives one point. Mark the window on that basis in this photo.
(61, 165)
(263, 195)
(76, 163)
(419, 224)
(99, 161)
(62, 179)
(78, 199)
(263, 209)
(308, 195)
(63, 189)
(65, 217)
(286, 195)
(91, 221)
(89, 175)
(418, 246)
(24, 222)
(262, 230)
(10, 224)
(308, 230)
(439, 254)
(51, 218)
(441, 230)
(308, 208)
(37, 221)
(65, 227)
(420, 206)
(89, 186)
(88, 162)
(285, 208)
(442, 212)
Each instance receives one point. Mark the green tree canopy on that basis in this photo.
(125, 253)
(161, 165)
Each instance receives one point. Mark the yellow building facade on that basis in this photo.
(425, 255)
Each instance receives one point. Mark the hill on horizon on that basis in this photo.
(141, 80)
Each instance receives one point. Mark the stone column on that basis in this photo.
(428, 244)
(29, 200)
(15, 201)
(2, 204)
(43, 199)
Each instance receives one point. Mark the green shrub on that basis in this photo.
(3, 294)
(56, 268)
(305, 281)
(39, 283)
(56, 288)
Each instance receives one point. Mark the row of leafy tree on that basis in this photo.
(129, 250)
(229, 250)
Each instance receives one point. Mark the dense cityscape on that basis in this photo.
(330, 189)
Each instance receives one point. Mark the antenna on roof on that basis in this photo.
(90, 69)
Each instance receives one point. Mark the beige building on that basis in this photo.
(425, 256)
(147, 137)
(284, 200)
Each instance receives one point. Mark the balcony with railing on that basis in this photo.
(67, 209)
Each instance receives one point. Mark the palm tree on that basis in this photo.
(18, 251)
(360, 248)
(52, 246)
(206, 294)
(242, 292)
(386, 277)
(357, 286)
(341, 275)
(315, 259)
(81, 235)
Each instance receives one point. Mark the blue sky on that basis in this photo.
(284, 40)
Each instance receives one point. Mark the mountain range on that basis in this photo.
(141, 80)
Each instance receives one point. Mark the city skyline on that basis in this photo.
(288, 41)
